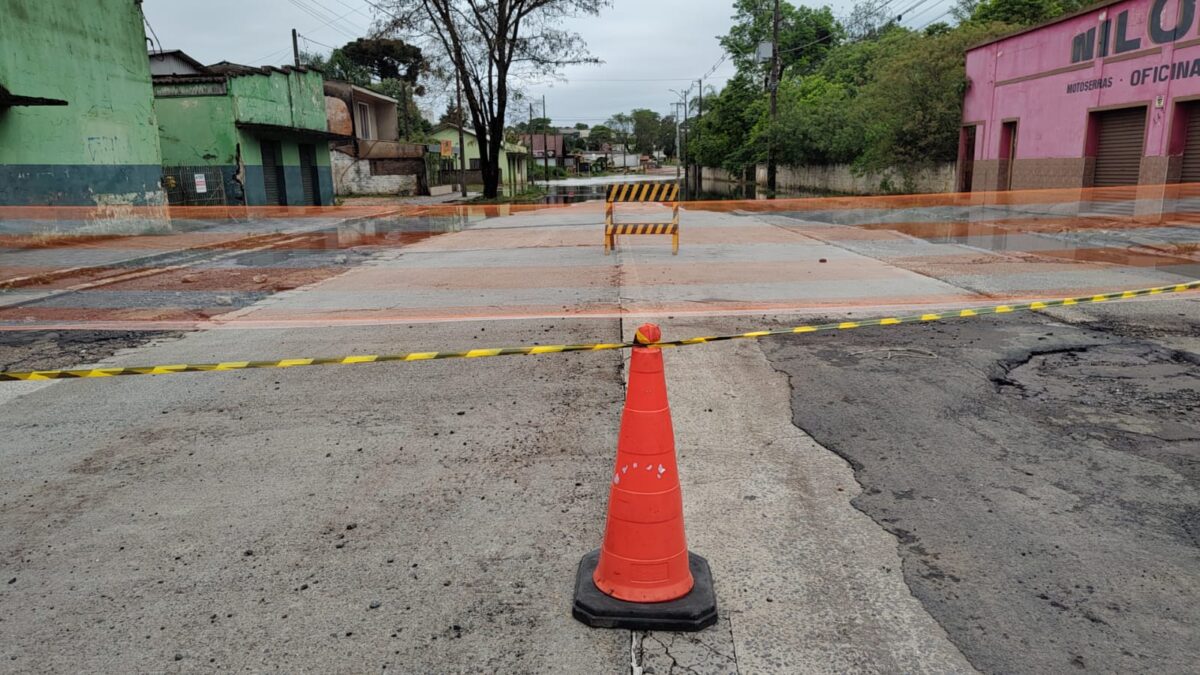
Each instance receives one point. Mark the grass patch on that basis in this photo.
(531, 195)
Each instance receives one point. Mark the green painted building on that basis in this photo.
(233, 134)
(77, 121)
(514, 174)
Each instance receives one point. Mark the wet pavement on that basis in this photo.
(585, 189)
(1040, 476)
(1011, 494)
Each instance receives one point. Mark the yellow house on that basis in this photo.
(514, 160)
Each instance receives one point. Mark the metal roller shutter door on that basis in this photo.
(308, 174)
(1191, 151)
(273, 182)
(1121, 134)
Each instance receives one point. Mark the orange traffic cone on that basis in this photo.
(643, 577)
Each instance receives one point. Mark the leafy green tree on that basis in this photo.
(580, 126)
(722, 137)
(1021, 12)
(575, 144)
(889, 98)
(453, 115)
(337, 66)
(816, 124)
(963, 9)
(387, 59)
(490, 47)
(666, 136)
(939, 28)
(911, 109)
(853, 63)
(868, 17)
(805, 34)
(646, 129)
(622, 128)
(601, 136)
(537, 125)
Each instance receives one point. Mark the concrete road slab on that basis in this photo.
(414, 517)
(428, 517)
(806, 583)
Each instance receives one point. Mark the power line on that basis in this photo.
(723, 59)
(937, 19)
(321, 44)
(324, 23)
(382, 9)
(330, 20)
(831, 35)
(353, 9)
(907, 12)
(922, 13)
(272, 55)
(319, 9)
(806, 45)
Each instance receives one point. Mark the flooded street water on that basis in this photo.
(1058, 229)
(592, 188)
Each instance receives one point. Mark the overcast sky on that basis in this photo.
(648, 46)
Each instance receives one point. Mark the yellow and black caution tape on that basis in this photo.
(559, 349)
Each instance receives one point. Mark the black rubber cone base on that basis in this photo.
(695, 611)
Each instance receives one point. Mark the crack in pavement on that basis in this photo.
(1008, 364)
(1082, 452)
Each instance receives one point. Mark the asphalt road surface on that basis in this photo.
(1041, 477)
(1006, 494)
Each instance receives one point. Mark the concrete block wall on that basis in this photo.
(709, 173)
(841, 179)
(353, 177)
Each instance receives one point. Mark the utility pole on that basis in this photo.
(682, 140)
(404, 94)
(462, 138)
(296, 46)
(774, 85)
(532, 157)
(545, 143)
(700, 114)
(686, 182)
(678, 147)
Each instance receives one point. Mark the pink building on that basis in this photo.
(1109, 96)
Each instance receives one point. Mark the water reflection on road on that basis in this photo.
(592, 188)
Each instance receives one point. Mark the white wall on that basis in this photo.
(709, 173)
(353, 177)
(839, 178)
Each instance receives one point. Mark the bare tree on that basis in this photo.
(492, 46)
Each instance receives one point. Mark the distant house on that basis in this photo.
(575, 134)
(549, 148)
(513, 159)
(240, 135)
(372, 160)
(174, 62)
(613, 160)
(77, 124)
